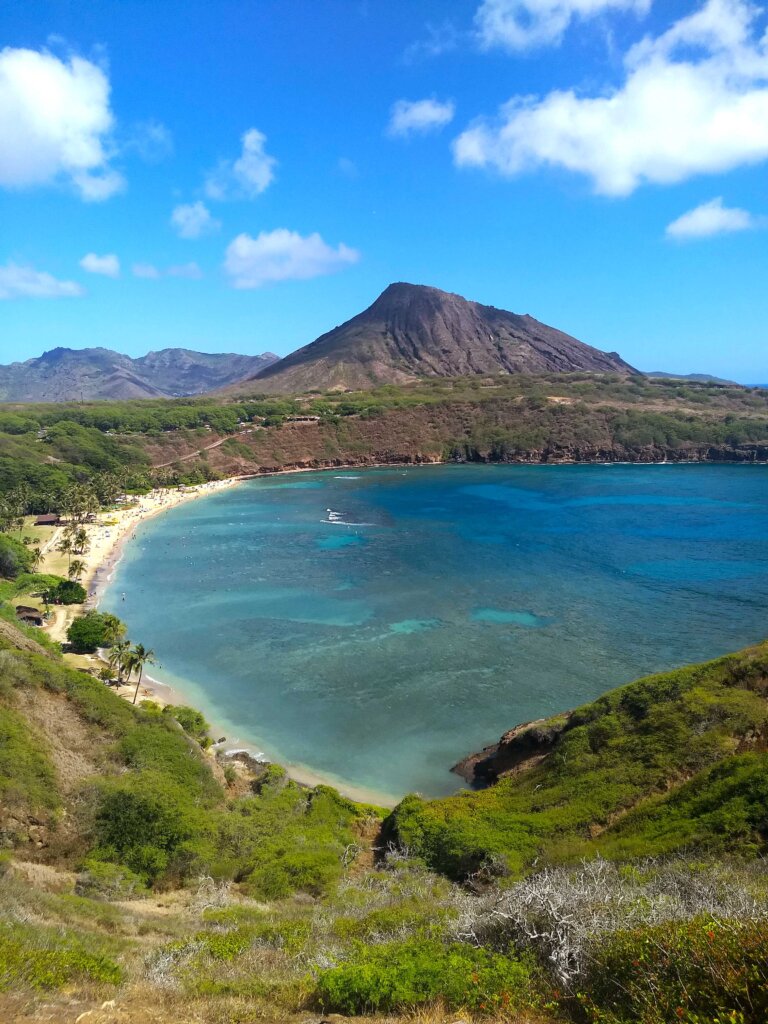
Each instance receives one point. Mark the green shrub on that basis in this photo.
(67, 592)
(154, 744)
(151, 825)
(15, 557)
(400, 975)
(93, 630)
(100, 880)
(286, 839)
(191, 721)
(698, 972)
(414, 916)
(47, 959)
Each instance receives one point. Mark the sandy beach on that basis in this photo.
(106, 537)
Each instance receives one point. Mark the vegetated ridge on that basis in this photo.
(696, 378)
(670, 762)
(65, 375)
(555, 418)
(414, 331)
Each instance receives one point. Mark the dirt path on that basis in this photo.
(206, 448)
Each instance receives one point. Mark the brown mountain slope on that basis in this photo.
(414, 331)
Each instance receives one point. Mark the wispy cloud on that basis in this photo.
(713, 218)
(189, 270)
(17, 282)
(145, 270)
(347, 167)
(246, 177)
(527, 24)
(283, 255)
(191, 220)
(409, 117)
(151, 140)
(149, 272)
(439, 39)
(108, 265)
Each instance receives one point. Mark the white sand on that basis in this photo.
(107, 535)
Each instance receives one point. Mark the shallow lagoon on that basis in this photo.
(377, 626)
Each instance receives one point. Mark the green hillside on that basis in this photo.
(139, 869)
(675, 761)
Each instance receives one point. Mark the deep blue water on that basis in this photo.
(431, 609)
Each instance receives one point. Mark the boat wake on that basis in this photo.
(337, 519)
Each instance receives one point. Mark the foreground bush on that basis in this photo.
(47, 959)
(399, 975)
(698, 972)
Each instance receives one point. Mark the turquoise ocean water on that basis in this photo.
(376, 626)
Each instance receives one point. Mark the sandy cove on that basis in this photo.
(106, 537)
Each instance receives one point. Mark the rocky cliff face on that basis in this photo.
(414, 331)
(518, 750)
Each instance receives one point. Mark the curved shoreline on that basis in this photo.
(108, 549)
(99, 577)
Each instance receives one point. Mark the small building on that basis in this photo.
(48, 519)
(30, 616)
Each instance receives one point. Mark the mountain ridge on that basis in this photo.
(62, 374)
(413, 331)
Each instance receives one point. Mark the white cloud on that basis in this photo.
(712, 218)
(145, 270)
(283, 255)
(246, 177)
(525, 24)
(109, 264)
(25, 282)
(190, 270)
(409, 116)
(55, 122)
(694, 101)
(191, 220)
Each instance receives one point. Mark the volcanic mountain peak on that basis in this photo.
(413, 331)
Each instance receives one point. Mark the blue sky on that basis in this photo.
(242, 176)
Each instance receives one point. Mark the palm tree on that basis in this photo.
(139, 657)
(76, 569)
(36, 557)
(119, 658)
(80, 541)
(64, 547)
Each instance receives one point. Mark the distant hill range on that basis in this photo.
(64, 374)
(694, 378)
(414, 331)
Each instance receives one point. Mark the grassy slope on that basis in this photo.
(128, 801)
(667, 762)
(130, 787)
